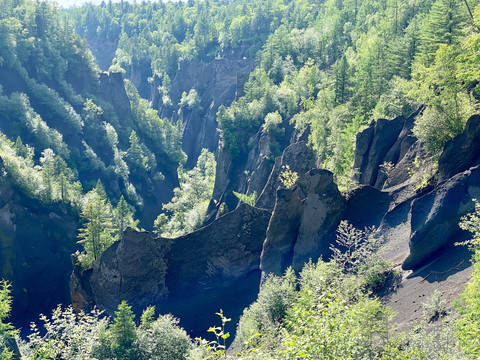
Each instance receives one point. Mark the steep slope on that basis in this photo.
(64, 126)
(419, 225)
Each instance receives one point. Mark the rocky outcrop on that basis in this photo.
(217, 83)
(132, 269)
(278, 248)
(35, 246)
(220, 260)
(384, 141)
(435, 216)
(113, 90)
(461, 152)
(258, 173)
(322, 212)
(366, 206)
(299, 158)
(302, 230)
(104, 51)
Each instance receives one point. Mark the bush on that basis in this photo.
(266, 314)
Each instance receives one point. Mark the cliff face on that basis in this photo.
(217, 83)
(219, 265)
(192, 276)
(35, 246)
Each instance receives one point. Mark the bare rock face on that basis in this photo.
(302, 230)
(202, 270)
(132, 269)
(35, 246)
(384, 141)
(112, 90)
(322, 212)
(366, 206)
(300, 158)
(435, 216)
(461, 152)
(282, 231)
(217, 83)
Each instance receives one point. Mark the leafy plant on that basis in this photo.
(247, 199)
(287, 177)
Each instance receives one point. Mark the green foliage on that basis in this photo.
(247, 199)
(190, 101)
(272, 121)
(468, 324)
(260, 323)
(448, 103)
(186, 210)
(66, 335)
(162, 338)
(123, 217)
(6, 329)
(287, 177)
(214, 349)
(99, 231)
(122, 333)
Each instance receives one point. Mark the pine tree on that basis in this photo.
(123, 333)
(135, 155)
(99, 231)
(443, 25)
(6, 329)
(123, 217)
(341, 80)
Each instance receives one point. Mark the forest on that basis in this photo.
(95, 124)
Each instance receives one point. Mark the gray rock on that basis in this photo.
(113, 90)
(133, 269)
(322, 212)
(366, 206)
(435, 216)
(462, 152)
(383, 141)
(281, 233)
(217, 83)
(220, 260)
(300, 158)
(35, 246)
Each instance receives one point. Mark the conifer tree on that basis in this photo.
(123, 333)
(99, 231)
(135, 154)
(443, 25)
(123, 217)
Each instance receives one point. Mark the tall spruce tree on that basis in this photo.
(99, 231)
(443, 25)
(123, 217)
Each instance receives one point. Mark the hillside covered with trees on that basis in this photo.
(197, 120)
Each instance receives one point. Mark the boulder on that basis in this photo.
(462, 152)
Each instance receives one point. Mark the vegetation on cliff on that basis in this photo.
(324, 70)
(329, 311)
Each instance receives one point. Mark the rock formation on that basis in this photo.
(35, 246)
(177, 275)
(220, 264)
(217, 82)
